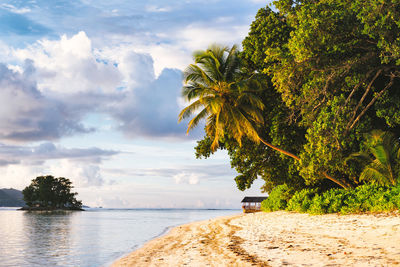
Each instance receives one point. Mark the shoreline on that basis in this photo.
(275, 239)
(166, 231)
(172, 230)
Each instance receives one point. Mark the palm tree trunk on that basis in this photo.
(342, 184)
(278, 149)
(391, 175)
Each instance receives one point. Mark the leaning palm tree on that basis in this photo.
(381, 159)
(220, 94)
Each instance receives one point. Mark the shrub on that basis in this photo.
(394, 196)
(277, 199)
(365, 198)
(301, 200)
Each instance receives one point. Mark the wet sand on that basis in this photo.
(276, 239)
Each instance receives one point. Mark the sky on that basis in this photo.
(90, 91)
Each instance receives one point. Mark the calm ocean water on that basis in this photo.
(95, 237)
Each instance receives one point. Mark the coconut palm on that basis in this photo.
(220, 94)
(381, 158)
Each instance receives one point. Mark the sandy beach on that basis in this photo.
(276, 239)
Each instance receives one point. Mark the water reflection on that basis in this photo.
(84, 239)
(47, 235)
(11, 238)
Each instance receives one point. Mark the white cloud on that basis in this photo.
(225, 19)
(137, 69)
(195, 36)
(123, 64)
(183, 177)
(6, 52)
(154, 8)
(16, 176)
(14, 9)
(73, 79)
(81, 174)
(69, 66)
(169, 56)
(181, 173)
(26, 114)
(36, 155)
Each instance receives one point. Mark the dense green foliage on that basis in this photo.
(278, 198)
(365, 198)
(329, 74)
(234, 109)
(335, 73)
(52, 193)
(337, 53)
(381, 158)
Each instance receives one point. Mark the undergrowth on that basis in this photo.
(364, 198)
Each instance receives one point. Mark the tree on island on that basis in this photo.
(48, 192)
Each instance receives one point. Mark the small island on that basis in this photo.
(47, 193)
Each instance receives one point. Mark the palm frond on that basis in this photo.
(189, 110)
(193, 73)
(380, 153)
(231, 67)
(218, 132)
(383, 162)
(213, 81)
(361, 157)
(195, 121)
(253, 114)
(248, 127)
(215, 105)
(374, 175)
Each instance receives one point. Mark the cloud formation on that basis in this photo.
(185, 178)
(36, 155)
(14, 9)
(62, 81)
(152, 109)
(82, 174)
(27, 115)
(19, 164)
(185, 174)
(68, 66)
(91, 68)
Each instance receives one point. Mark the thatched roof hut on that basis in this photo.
(252, 204)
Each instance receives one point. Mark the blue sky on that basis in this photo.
(90, 90)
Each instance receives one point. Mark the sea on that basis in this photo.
(95, 237)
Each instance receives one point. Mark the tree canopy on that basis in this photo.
(48, 192)
(330, 74)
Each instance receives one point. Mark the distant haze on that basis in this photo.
(11, 198)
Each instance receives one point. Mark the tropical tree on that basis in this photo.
(227, 99)
(381, 158)
(50, 193)
(336, 66)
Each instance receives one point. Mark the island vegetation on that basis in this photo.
(49, 193)
(311, 105)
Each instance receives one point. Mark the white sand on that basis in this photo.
(277, 239)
